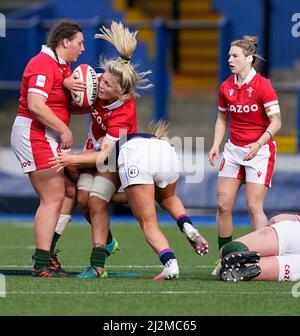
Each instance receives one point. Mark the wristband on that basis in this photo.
(259, 144)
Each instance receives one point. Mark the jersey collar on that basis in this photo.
(248, 79)
(50, 53)
(115, 105)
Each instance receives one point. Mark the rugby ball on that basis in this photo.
(88, 75)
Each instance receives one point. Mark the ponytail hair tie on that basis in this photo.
(123, 59)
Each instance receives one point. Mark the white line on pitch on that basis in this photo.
(148, 292)
(25, 247)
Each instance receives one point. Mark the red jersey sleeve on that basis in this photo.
(268, 94)
(222, 107)
(41, 78)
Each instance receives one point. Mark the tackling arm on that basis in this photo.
(86, 159)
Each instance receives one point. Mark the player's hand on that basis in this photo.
(253, 149)
(73, 83)
(66, 139)
(213, 153)
(61, 161)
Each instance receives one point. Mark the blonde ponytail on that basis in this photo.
(159, 129)
(125, 42)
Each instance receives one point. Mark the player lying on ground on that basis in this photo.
(270, 253)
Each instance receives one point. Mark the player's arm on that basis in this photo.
(37, 105)
(273, 113)
(272, 129)
(220, 130)
(86, 159)
(272, 110)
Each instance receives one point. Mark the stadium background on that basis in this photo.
(185, 43)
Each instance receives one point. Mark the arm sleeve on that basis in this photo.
(269, 98)
(41, 79)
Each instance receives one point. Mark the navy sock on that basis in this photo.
(166, 255)
(183, 219)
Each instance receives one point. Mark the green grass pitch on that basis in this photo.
(195, 293)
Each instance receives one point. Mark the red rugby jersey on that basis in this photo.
(114, 120)
(246, 107)
(44, 76)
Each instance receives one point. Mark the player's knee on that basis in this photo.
(254, 208)
(53, 204)
(85, 182)
(70, 191)
(82, 201)
(223, 207)
(102, 188)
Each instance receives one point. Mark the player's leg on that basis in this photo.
(284, 217)
(255, 194)
(49, 186)
(171, 203)
(103, 188)
(66, 211)
(141, 202)
(119, 198)
(63, 220)
(264, 241)
(249, 248)
(227, 188)
(268, 268)
(84, 185)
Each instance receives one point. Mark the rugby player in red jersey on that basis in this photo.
(41, 130)
(113, 115)
(249, 104)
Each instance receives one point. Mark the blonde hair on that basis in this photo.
(125, 42)
(249, 46)
(159, 129)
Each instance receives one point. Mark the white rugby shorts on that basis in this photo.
(288, 233)
(33, 147)
(257, 170)
(147, 161)
(289, 267)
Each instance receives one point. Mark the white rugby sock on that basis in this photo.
(62, 223)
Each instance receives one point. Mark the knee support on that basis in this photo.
(85, 182)
(102, 188)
